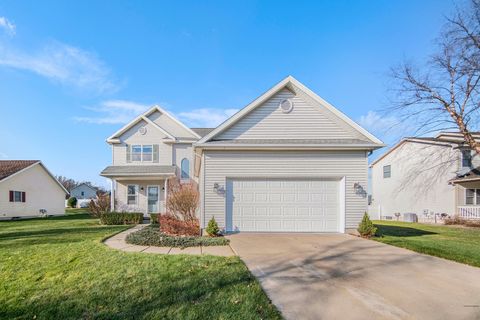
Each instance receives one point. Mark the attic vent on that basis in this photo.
(286, 105)
(142, 130)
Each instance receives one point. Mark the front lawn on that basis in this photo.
(57, 268)
(455, 243)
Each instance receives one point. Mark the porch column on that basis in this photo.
(166, 194)
(112, 194)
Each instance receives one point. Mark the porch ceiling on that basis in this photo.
(138, 172)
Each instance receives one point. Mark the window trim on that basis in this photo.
(389, 166)
(130, 195)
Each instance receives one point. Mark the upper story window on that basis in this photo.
(387, 171)
(466, 159)
(142, 153)
(185, 168)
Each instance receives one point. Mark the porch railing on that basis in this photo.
(469, 212)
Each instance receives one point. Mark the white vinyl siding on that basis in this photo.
(221, 165)
(307, 120)
(171, 126)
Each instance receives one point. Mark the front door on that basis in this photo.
(152, 198)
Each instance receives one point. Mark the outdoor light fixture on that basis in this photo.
(141, 188)
(215, 187)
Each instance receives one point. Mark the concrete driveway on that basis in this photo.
(335, 276)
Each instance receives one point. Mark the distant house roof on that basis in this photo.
(202, 131)
(125, 171)
(85, 184)
(9, 167)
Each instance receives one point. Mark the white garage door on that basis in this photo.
(283, 205)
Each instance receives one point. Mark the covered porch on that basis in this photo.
(139, 188)
(468, 194)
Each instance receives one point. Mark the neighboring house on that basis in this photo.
(287, 162)
(426, 176)
(84, 191)
(28, 189)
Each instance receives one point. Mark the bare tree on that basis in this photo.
(445, 94)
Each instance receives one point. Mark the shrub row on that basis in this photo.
(457, 220)
(112, 218)
(152, 236)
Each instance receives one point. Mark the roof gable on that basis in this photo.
(168, 125)
(310, 118)
(11, 168)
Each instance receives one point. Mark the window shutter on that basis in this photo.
(11, 196)
(155, 153)
(23, 197)
(129, 151)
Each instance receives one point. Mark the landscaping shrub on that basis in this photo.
(212, 228)
(171, 225)
(457, 220)
(366, 227)
(152, 236)
(154, 218)
(115, 218)
(99, 206)
(72, 202)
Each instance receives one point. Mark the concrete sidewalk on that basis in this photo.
(337, 276)
(118, 242)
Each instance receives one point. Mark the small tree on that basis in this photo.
(212, 228)
(72, 202)
(182, 201)
(366, 228)
(99, 206)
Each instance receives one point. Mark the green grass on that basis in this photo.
(455, 243)
(57, 268)
(151, 236)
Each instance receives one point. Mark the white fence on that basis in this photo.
(469, 212)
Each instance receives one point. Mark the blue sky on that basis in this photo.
(72, 73)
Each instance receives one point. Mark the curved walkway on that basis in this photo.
(118, 242)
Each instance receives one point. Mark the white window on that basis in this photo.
(472, 197)
(142, 153)
(185, 168)
(132, 194)
(137, 152)
(387, 171)
(147, 153)
(466, 159)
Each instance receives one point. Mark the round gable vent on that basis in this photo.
(286, 105)
(142, 130)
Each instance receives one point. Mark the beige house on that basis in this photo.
(28, 190)
(287, 162)
(426, 176)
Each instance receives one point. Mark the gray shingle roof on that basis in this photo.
(134, 170)
(292, 141)
(202, 132)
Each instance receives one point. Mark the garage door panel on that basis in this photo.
(283, 205)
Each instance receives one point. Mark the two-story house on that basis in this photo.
(146, 152)
(426, 176)
(287, 162)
